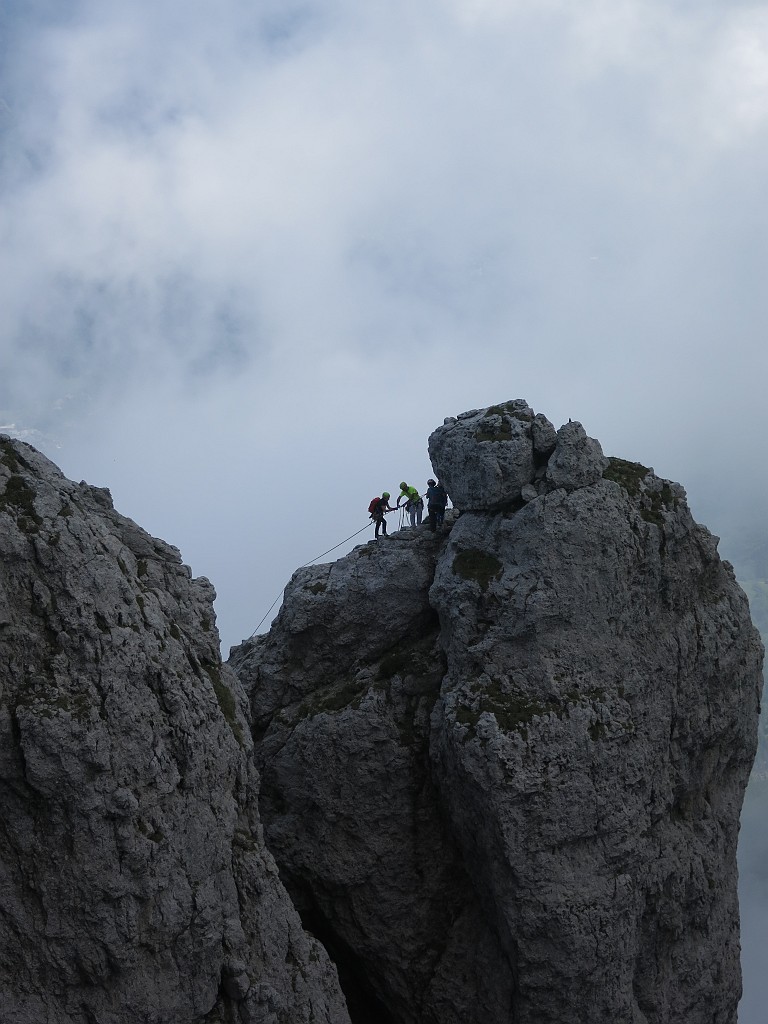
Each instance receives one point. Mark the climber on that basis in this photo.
(413, 502)
(437, 499)
(378, 507)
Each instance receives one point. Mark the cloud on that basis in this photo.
(253, 254)
(343, 222)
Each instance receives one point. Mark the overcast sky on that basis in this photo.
(253, 253)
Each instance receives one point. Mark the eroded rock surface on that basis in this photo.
(491, 459)
(342, 692)
(503, 765)
(135, 885)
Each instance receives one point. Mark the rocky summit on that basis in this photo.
(487, 774)
(503, 764)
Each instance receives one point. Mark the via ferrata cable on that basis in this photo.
(253, 634)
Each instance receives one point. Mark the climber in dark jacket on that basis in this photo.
(437, 499)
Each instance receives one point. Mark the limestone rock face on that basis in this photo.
(490, 459)
(503, 765)
(136, 886)
(484, 457)
(576, 461)
(342, 692)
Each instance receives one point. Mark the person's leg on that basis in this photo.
(419, 510)
(432, 517)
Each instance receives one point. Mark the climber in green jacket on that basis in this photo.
(414, 503)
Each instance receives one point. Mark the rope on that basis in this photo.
(334, 547)
(304, 566)
(403, 508)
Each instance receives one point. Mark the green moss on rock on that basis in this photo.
(226, 700)
(629, 475)
(494, 432)
(478, 566)
(316, 588)
(597, 731)
(511, 410)
(339, 695)
(11, 458)
(513, 711)
(48, 701)
(659, 502)
(653, 502)
(20, 497)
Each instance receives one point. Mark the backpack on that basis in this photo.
(373, 507)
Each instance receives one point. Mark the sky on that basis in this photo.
(253, 253)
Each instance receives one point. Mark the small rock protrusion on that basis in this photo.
(577, 460)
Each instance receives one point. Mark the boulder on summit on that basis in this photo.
(491, 459)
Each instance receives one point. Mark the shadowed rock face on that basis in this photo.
(134, 881)
(343, 690)
(503, 765)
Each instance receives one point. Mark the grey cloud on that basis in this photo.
(252, 256)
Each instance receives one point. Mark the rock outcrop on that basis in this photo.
(499, 767)
(502, 765)
(492, 459)
(135, 885)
